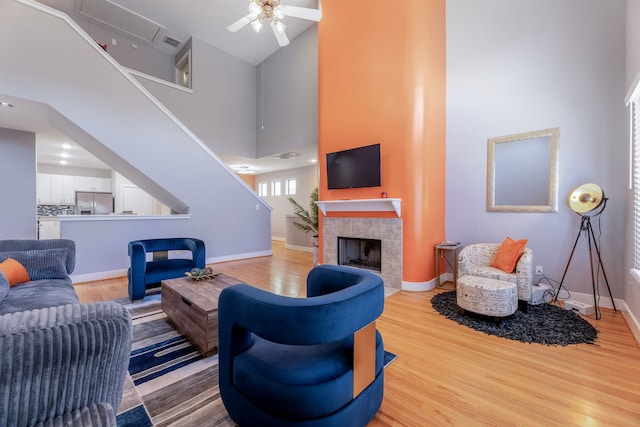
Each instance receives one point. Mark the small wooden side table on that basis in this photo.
(441, 251)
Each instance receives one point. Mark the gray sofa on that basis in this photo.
(62, 363)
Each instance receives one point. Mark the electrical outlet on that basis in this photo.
(539, 270)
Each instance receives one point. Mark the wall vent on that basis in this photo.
(171, 41)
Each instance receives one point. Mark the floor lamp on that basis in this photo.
(588, 198)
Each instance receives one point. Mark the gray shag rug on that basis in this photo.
(544, 323)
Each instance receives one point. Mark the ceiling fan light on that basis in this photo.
(255, 9)
(280, 27)
(278, 12)
(256, 25)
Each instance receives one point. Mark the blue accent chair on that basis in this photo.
(145, 273)
(290, 361)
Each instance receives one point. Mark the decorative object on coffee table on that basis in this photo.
(206, 273)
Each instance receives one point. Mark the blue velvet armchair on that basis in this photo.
(145, 273)
(314, 361)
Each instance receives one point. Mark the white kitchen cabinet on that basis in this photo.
(44, 188)
(102, 185)
(88, 183)
(62, 190)
(55, 189)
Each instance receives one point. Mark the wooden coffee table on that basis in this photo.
(192, 306)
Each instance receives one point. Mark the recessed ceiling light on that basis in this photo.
(313, 160)
(240, 167)
(65, 155)
(5, 104)
(66, 146)
(286, 155)
(63, 162)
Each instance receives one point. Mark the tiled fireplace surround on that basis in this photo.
(388, 230)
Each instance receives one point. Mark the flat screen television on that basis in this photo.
(354, 168)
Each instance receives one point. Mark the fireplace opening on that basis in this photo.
(362, 253)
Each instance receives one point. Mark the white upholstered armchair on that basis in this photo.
(475, 260)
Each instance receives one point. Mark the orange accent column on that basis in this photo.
(381, 79)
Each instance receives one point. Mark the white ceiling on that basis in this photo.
(206, 20)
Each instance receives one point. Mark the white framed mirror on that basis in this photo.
(522, 172)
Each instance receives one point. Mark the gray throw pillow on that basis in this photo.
(4, 286)
(41, 263)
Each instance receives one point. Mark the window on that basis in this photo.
(275, 188)
(290, 186)
(262, 189)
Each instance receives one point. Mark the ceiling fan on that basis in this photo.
(273, 12)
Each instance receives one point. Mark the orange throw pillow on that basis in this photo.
(14, 271)
(509, 254)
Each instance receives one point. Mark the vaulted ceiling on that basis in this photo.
(153, 22)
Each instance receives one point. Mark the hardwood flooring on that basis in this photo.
(449, 375)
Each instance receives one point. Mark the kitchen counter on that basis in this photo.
(49, 227)
(120, 217)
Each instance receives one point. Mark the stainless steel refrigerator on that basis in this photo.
(89, 203)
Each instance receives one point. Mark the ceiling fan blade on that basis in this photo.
(241, 23)
(303, 12)
(282, 38)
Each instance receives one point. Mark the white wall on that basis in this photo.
(632, 291)
(18, 189)
(521, 66)
(307, 180)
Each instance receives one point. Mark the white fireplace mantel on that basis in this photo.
(360, 205)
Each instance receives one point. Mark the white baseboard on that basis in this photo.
(621, 305)
(632, 321)
(101, 275)
(236, 257)
(279, 239)
(603, 302)
(104, 275)
(418, 286)
(446, 277)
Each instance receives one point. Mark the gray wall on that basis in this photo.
(139, 138)
(632, 291)
(287, 103)
(18, 189)
(229, 109)
(221, 110)
(521, 66)
(143, 58)
(307, 180)
(633, 41)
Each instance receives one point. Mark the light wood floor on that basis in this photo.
(450, 375)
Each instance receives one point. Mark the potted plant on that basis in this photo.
(309, 220)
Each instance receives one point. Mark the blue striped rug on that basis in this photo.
(169, 382)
